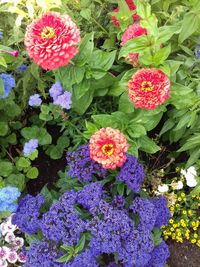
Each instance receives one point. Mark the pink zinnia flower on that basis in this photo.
(131, 6)
(148, 88)
(107, 146)
(132, 32)
(51, 40)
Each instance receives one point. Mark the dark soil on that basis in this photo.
(183, 255)
(48, 170)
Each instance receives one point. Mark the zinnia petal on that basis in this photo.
(108, 146)
(149, 88)
(51, 40)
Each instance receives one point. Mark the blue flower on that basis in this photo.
(161, 210)
(159, 256)
(56, 90)
(132, 173)
(35, 100)
(90, 196)
(8, 195)
(81, 166)
(1, 35)
(64, 100)
(9, 83)
(84, 259)
(22, 67)
(30, 147)
(28, 213)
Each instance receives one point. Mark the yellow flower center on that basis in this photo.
(47, 32)
(108, 149)
(146, 86)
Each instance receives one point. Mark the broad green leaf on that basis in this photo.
(80, 245)
(148, 145)
(192, 142)
(81, 105)
(81, 88)
(3, 128)
(191, 23)
(125, 104)
(17, 180)
(135, 130)
(102, 60)
(85, 49)
(161, 55)
(32, 173)
(23, 163)
(6, 168)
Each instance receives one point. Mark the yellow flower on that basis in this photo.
(171, 229)
(195, 235)
(171, 221)
(198, 243)
(190, 212)
(183, 194)
(184, 212)
(177, 205)
(178, 169)
(194, 228)
(193, 240)
(179, 199)
(193, 223)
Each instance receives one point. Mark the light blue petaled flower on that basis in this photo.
(22, 67)
(1, 35)
(64, 100)
(35, 100)
(9, 83)
(56, 90)
(30, 147)
(8, 195)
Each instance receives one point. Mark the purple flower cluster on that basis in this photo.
(30, 147)
(132, 173)
(146, 212)
(62, 221)
(9, 83)
(152, 213)
(118, 202)
(27, 216)
(43, 253)
(35, 100)
(109, 227)
(61, 98)
(22, 67)
(81, 166)
(162, 211)
(159, 256)
(90, 196)
(84, 259)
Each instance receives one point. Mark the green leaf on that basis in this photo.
(102, 60)
(17, 180)
(81, 88)
(156, 234)
(80, 245)
(125, 104)
(3, 128)
(81, 105)
(86, 13)
(23, 163)
(196, 190)
(65, 258)
(139, 44)
(105, 120)
(120, 188)
(191, 23)
(166, 32)
(32, 173)
(161, 55)
(85, 49)
(135, 130)
(148, 145)
(6, 168)
(1, 87)
(192, 142)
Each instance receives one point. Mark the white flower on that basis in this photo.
(163, 188)
(19, 242)
(12, 257)
(4, 253)
(3, 263)
(179, 185)
(10, 237)
(7, 227)
(190, 176)
(21, 257)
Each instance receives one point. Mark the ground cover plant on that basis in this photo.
(99, 132)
